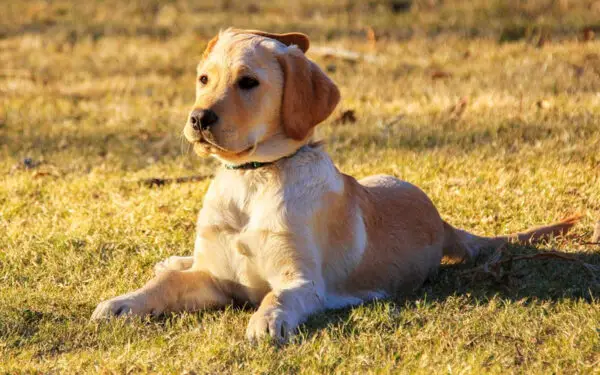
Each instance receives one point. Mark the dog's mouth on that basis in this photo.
(205, 145)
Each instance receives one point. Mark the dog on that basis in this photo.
(281, 228)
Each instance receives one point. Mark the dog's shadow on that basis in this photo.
(523, 274)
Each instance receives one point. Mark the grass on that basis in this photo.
(94, 97)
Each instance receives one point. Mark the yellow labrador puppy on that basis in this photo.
(281, 227)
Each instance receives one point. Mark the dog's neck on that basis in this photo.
(265, 153)
(259, 164)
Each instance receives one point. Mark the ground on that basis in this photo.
(491, 107)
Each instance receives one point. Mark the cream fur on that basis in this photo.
(297, 236)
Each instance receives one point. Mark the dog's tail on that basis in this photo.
(461, 246)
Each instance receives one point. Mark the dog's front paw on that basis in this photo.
(271, 323)
(125, 305)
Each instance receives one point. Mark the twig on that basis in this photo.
(151, 182)
(492, 266)
(344, 54)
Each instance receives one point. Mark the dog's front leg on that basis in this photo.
(281, 311)
(170, 291)
(297, 290)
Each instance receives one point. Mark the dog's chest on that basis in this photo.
(243, 208)
(242, 203)
(236, 215)
(270, 200)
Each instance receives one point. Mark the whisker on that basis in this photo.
(253, 150)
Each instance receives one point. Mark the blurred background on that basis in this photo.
(506, 20)
(103, 88)
(130, 64)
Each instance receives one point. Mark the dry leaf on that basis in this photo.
(438, 74)
(46, 170)
(346, 117)
(38, 174)
(253, 8)
(588, 34)
(400, 6)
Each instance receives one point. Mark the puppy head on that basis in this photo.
(258, 97)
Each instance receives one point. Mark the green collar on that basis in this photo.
(258, 164)
(249, 165)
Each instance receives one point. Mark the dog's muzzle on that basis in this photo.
(203, 119)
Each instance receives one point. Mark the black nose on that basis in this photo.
(203, 119)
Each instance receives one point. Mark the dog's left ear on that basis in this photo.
(309, 96)
(297, 39)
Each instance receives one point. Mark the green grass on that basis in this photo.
(96, 96)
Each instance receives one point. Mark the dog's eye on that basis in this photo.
(247, 83)
(203, 79)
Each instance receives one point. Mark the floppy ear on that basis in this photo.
(309, 96)
(297, 39)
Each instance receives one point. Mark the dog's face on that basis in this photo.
(257, 97)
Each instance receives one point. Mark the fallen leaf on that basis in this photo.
(252, 9)
(345, 117)
(588, 34)
(400, 6)
(438, 74)
(38, 174)
(46, 170)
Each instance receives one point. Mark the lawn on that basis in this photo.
(491, 107)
